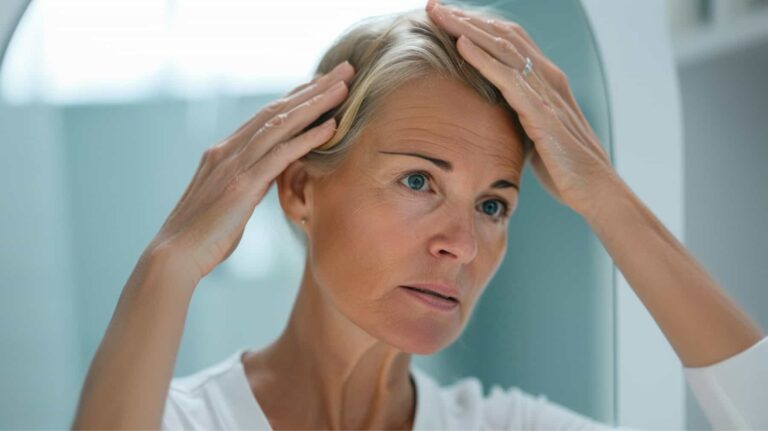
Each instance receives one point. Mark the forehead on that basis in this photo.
(444, 116)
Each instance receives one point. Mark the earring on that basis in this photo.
(303, 220)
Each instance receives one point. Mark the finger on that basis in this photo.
(533, 111)
(571, 118)
(317, 77)
(524, 99)
(284, 125)
(494, 34)
(342, 72)
(496, 25)
(563, 100)
(515, 32)
(267, 168)
(500, 47)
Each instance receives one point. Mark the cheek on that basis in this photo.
(367, 240)
(359, 247)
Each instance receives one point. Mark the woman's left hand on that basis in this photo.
(566, 157)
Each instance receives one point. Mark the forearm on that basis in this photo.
(702, 323)
(128, 379)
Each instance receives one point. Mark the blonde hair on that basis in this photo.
(386, 52)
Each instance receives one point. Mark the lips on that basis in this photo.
(432, 292)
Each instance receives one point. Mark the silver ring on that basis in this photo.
(528, 66)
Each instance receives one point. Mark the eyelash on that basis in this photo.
(504, 214)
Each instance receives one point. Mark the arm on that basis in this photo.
(127, 383)
(703, 325)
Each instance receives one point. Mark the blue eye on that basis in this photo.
(416, 180)
(417, 175)
(490, 207)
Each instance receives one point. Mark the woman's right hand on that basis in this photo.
(233, 176)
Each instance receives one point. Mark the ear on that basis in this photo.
(294, 189)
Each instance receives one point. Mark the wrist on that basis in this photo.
(165, 265)
(612, 194)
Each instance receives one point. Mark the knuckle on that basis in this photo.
(559, 76)
(517, 28)
(213, 154)
(550, 110)
(308, 87)
(276, 106)
(504, 45)
(321, 96)
(277, 121)
(498, 25)
(524, 34)
(313, 101)
(510, 34)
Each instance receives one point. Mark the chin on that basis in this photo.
(423, 335)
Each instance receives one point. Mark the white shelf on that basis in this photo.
(720, 37)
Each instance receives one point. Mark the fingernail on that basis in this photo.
(331, 122)
(339, 66)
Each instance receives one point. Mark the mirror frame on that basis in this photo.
(646, 136)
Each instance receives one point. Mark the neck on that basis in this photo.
(336, 375)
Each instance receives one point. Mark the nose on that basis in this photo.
(458, 239)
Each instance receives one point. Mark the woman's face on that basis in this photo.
(383, 220)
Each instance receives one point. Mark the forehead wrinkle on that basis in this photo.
(399, 113)
(503, 161)
(429, 113)
(447, 137)
(400, 116)
(444, 124)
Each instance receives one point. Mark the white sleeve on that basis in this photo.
(172, 415)
(515, 409)
(733, 393)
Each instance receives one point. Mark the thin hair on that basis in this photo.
(388, 51)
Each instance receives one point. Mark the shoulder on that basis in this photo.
(197, 400)
(204, 378)
(463, 404)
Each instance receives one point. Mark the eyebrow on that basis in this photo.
(448, 167)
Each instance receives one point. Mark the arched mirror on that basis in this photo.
(105, 110)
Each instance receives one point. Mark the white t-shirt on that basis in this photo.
(733, 394)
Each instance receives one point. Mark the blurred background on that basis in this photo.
(107, 107)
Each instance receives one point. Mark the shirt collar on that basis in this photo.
(248, 414)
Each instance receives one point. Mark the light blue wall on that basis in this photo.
(39, 327)
(726, 204)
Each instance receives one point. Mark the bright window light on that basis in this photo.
(80, 51)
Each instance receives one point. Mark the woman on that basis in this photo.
(403, 209)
